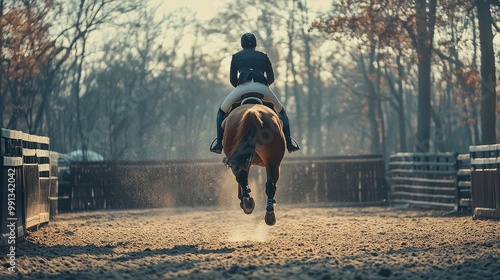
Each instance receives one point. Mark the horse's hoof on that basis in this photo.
(247, 204)
(270, 218)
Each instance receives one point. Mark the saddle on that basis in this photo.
(251, 98)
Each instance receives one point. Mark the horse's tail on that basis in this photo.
(244, 150)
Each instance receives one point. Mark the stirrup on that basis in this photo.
(293, 146)
(215, 149)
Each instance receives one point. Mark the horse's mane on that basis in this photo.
(246, 139)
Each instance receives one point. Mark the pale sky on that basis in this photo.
(206, 9)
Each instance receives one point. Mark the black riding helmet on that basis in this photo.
(248, 40)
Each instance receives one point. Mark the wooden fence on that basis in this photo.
(485, 166)
(26, 183)
(12, 213)
(349, 179)
(99, 185)
(430, 180)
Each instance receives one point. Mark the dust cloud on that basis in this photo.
(251, 228)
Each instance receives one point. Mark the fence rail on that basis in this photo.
(430, 180)
(100, 185)
(354, 179)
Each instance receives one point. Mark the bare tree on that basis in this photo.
(488, 71)
(27, 54)
(85, 17)
(423, 36)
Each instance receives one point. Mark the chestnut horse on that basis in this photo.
(253, 135)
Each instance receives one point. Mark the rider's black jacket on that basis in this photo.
(251, 64)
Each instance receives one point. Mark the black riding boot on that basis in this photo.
(291, 144)
(217, 148)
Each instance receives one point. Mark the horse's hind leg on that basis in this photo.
(242, 179)
(270, 191)
(247, 203)
(272, 178)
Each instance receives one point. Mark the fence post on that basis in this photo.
(31, 180)
(485, 179)
(463, 182)
(64, 184)
(36, 179)
(54, 183)
(43, 161)
(11, 194)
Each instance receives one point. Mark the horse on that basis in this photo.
(253, 135)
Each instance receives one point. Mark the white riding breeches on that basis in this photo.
(252, 86)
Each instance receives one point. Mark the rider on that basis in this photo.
(251, 65)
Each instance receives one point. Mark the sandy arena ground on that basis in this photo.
(306, 243)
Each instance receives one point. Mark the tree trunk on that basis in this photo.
(2, 97)
(313, 125)
(425, 34)
(401, 112)
(293, 70)
(373, 117)
(77, 77)
(488, 77)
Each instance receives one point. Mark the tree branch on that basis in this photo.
(448, 58)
